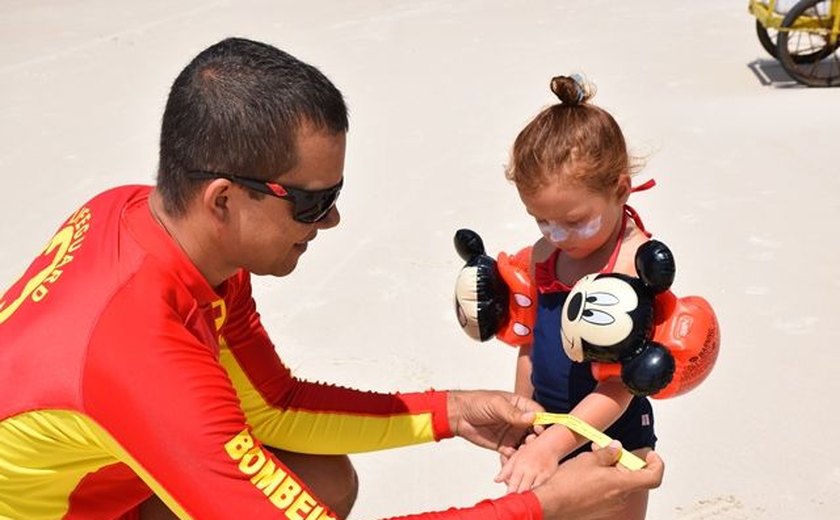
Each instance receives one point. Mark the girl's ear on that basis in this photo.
(623, 189)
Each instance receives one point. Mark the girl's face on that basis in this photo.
(574, 218)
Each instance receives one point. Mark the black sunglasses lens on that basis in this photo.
(314, 207)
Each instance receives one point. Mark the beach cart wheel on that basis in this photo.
(806, 47)
(767, 37)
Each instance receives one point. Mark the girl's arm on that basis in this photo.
(537, 460)
(601, 409)
(522, 383)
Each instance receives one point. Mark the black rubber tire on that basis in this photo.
(819, 64)
(767, 40)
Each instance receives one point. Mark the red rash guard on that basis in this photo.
(123, 373)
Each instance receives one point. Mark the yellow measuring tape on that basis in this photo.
(580, 427)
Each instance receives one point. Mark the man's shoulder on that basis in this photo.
(122, 192)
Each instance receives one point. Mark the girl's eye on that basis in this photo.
(578, 222)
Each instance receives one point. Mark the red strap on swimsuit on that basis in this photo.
(650, 183)
(632, 212)
(545, 271)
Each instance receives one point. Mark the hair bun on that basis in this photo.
(573, 90)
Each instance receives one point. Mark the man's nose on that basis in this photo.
(331, 220)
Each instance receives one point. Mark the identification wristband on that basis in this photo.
(580, 427)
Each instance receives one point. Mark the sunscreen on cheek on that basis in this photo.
(553, 232)
(589, 229)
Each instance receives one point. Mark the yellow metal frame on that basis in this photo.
(765, 12)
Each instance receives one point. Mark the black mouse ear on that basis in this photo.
(468, 244)
(648, 372)
(655, 265)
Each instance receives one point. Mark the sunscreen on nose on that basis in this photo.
(557, 233)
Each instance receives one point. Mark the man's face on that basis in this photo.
(270, 240)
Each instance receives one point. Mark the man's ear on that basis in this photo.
(215, 199)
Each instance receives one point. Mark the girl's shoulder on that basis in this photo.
(626, 261)
(542, 250)
(540, 253)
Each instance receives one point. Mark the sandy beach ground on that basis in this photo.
(748, 197)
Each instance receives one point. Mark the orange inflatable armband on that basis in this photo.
(518, 327)
(688, 328)
(494, 298)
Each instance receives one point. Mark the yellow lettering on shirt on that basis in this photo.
(64, 261)
(221, 314)
(252, 461)
(286, 493)
(239, 445)
(53, 275)
(35, 286)
(39, 293)
(268, 478)
(68, 239)
(281, 488)
(303, 507)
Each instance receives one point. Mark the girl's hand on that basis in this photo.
(532, 464)
(505, 455)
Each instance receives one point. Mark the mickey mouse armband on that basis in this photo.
(494, 297)
(636, 329)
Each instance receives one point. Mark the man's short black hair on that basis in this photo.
(237, 108)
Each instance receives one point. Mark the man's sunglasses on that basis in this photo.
(310, 206)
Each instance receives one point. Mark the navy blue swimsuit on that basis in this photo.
(560, 383)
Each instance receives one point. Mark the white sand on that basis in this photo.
(747, 196)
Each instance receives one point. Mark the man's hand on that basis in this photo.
(591, 486)
(491, 419)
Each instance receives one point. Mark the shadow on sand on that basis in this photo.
(771, 74)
